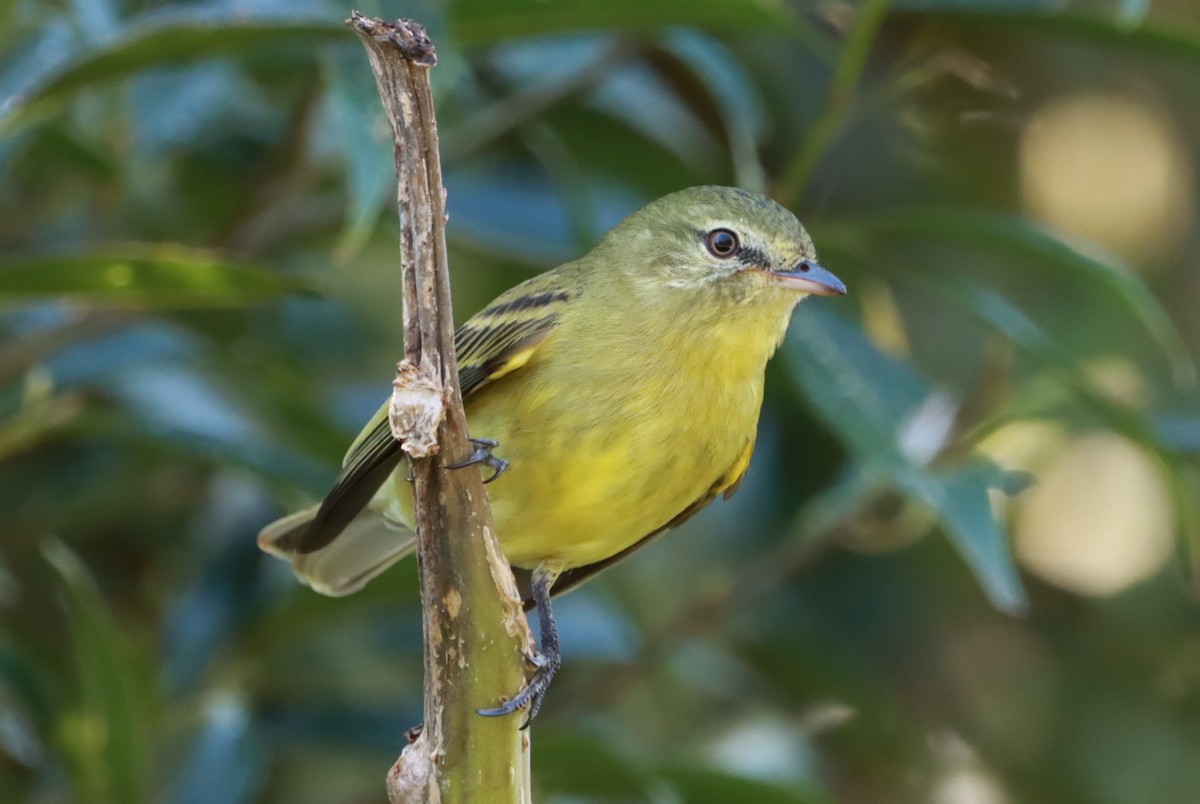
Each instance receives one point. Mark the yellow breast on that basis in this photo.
(605, 452)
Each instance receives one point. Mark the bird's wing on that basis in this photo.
(503, 336)
(496, 341)
(726, 485)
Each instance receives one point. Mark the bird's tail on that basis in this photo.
(366, 547)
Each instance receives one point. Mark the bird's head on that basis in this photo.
(721, 241)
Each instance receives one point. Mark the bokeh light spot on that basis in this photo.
(1111, 170)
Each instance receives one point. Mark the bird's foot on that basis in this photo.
(545, 663)
(483, 455)
(545, 666)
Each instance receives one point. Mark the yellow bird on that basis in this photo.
(623, 390)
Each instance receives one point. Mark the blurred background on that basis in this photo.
(961, 569)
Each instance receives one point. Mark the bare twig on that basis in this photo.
(475, 631)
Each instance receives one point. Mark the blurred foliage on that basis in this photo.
(200, 306)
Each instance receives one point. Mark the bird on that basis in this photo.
(612, 397)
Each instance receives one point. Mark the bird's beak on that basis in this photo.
(809, 277)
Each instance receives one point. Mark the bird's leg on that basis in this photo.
(546, 661)
(483, 454)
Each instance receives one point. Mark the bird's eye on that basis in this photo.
(721, 243)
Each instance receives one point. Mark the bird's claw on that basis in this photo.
(483, 455)
(532, 694)
(544, 662)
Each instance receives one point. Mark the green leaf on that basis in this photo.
(284, 468)
(723, 93)
(154, 44)
(110, 740)
(1032, 341)
(870, 400)
(961, 501)
(142, 275)
(475, 22)
(1163, 442)
(1040, 249)
(862, 392)
(532, 97)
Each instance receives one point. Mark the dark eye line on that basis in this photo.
(755, 257)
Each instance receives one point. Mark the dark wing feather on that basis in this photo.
(499, 339)
(376, 455)
(488, 349)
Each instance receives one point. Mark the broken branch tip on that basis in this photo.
(407, 36)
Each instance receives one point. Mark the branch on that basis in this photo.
(475, 631)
